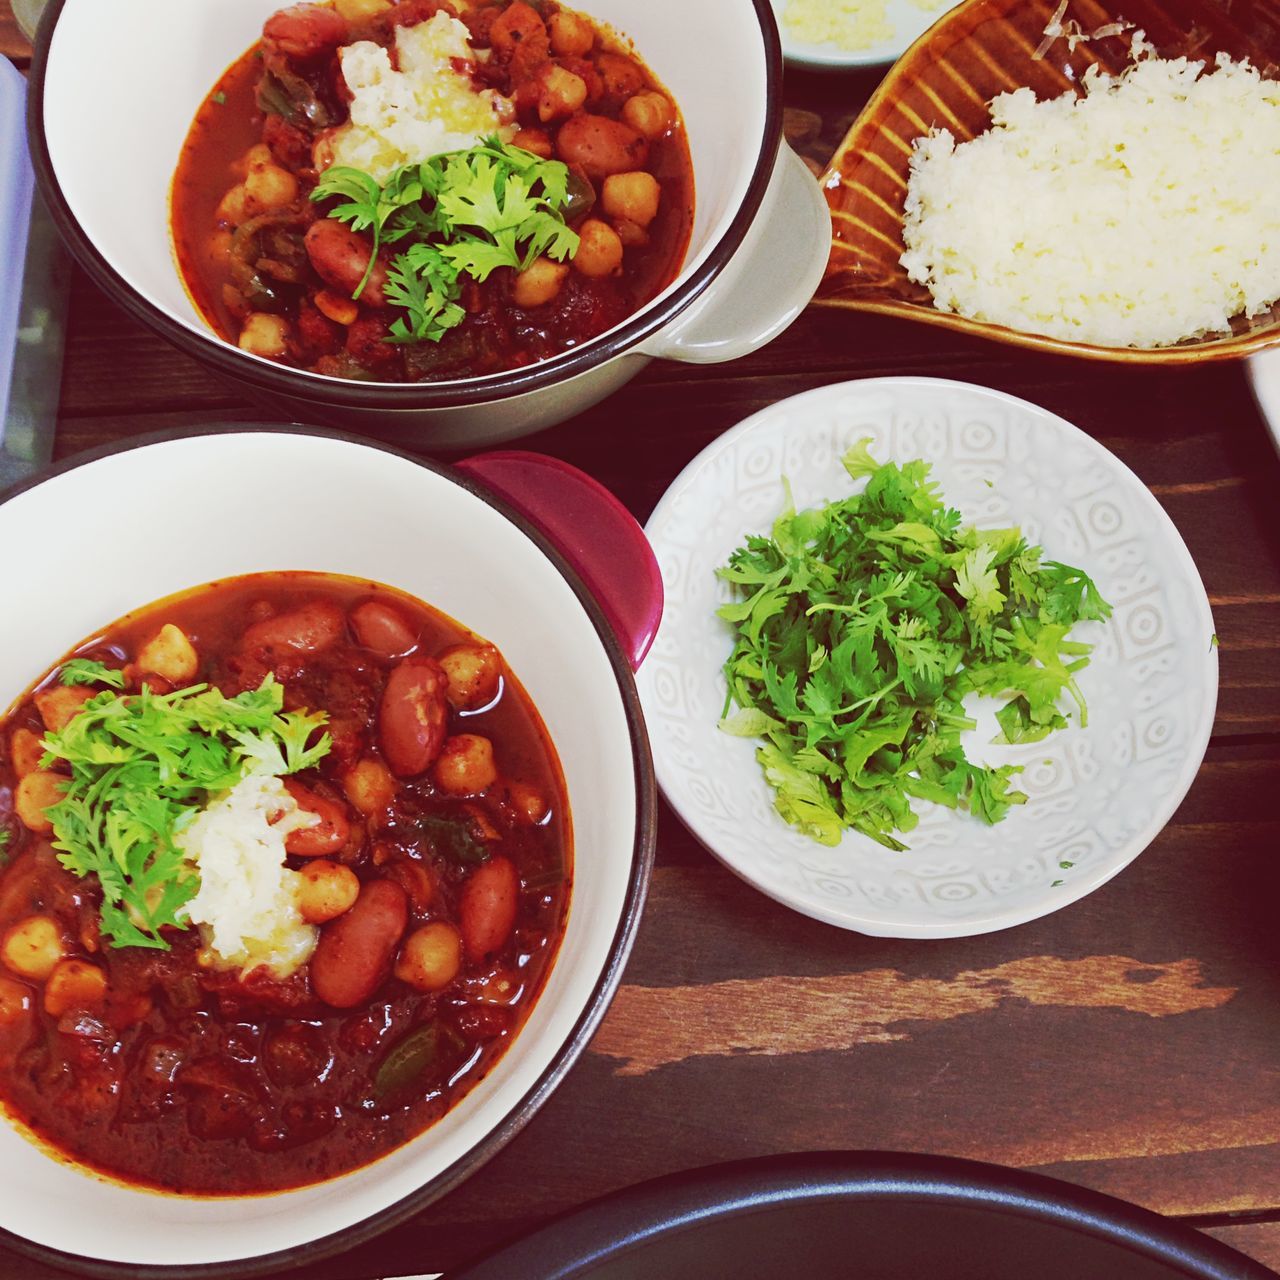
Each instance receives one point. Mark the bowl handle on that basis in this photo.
(594, 532)
(767, 282)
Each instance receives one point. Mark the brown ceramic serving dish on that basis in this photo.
(947, 78)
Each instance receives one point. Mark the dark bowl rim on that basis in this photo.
(643, 849)
(573, 1245)
(228, 360)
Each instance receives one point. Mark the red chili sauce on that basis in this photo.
(159, 1070)
(241, 212)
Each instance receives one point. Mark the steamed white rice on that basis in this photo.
(1141, 213)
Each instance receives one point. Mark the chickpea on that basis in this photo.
(474, 672)
(465, 766)
(340, 310)
(359, 10)
(326, 891)
(571, 34)
(26, 751)
(369, 787)
(536, 140)
(257, 156)
(269, 187)
(264, 335)
(529, 804)
(599, 249)
(649, 114)
(170, 655)
(538, 283)
(220, 244)
(15, 1002)
(233, 207)
(74, 984)
(32, 947)
(431, 956)
(60, 704)
(562, 93)
(35, 792)
(632, 197)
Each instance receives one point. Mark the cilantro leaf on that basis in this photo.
(141, 766)
(859, 629)
(464, 213)
(86, 671)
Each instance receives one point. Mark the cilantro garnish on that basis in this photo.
(464, 213)
(86, 671)
(141, 767)
(859, 629)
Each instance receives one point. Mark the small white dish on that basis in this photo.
(1264, 377)
(1097, 795)
(891, 27)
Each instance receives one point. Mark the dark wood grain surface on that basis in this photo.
(1130, 1043)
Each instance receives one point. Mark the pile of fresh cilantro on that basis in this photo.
(861, 626)
(142, 766)
(459, 214)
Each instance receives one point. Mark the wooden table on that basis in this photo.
(1130, 1043)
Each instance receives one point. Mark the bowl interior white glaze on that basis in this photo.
(133, 527)
(116, 179)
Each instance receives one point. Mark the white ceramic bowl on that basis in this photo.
(760, 238)
(129, 527)
(1098, 795)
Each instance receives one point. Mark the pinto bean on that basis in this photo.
(311, 628)
(600, 146)
(412, 716)
(305, 30)
(621, 75)
(341, 255)
(383, 629)
(521, 31)
(487, 907)
(328, 835)
(355, 950)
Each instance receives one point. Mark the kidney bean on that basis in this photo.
(413, 716)
(328, 835)
(600, 146)
(340, 257)
(487, 907)
(355, 950)
(305, 30)
(311, 628)
(383, 629)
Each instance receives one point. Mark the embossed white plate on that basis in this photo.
(1097, 795)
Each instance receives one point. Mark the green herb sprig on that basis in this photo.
(861, 626)
(87, 671)
(142, 766)
(464, 213)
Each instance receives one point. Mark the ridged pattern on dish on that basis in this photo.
(948, 77)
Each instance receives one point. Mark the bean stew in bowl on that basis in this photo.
(289, 900)
(452, 220)
(291, 873)
(413, 191)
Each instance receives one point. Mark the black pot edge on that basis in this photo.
(574, 1244)
(644, 848)
(334, 392)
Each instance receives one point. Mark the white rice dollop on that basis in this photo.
(1144, 212)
